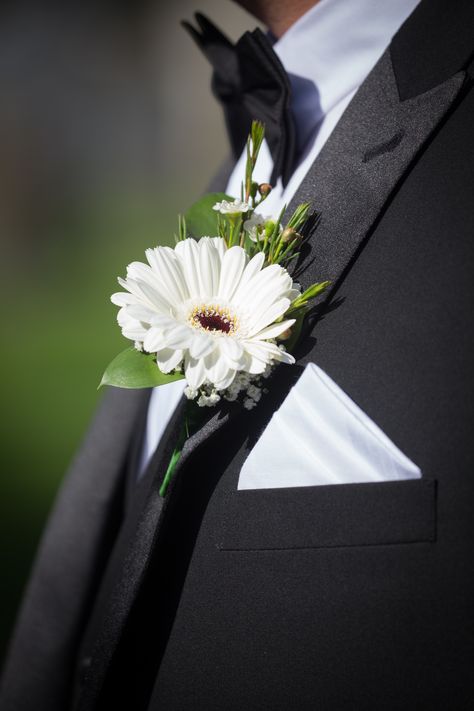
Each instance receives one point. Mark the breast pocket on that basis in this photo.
(320, 436)
(378, 513)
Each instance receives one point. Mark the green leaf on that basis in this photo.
(133, 369)
(201, 219)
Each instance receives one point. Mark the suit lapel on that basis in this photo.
(350, 183)
(140, 536)
(359, 169)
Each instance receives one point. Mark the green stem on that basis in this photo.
(170, 471)
(192, 419)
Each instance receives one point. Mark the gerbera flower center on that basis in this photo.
(213, 318)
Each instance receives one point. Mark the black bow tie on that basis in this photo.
(251, 83)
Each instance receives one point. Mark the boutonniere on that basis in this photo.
(220, 310)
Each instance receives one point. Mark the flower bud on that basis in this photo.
(290, 235)
(264, 189)
(285, 335)
(269, 227)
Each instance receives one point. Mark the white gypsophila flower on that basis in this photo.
(208, 400)
(227, 207)
(254, 226)
(208, 310)
(249, 404)
(254, 392)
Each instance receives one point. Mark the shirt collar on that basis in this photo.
(331, 49)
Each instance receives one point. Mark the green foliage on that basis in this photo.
(182, 230)
(299, 216)
(302, 301)
(200, 219)
(133, 369)
(194, 416)
(254, 143)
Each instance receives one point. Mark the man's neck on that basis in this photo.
(277, 15)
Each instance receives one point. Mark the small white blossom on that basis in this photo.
(138, 345)
(249, 404)
(190, 393)
(254, 392)
(254, 226)
(208, 400)
(226, 207)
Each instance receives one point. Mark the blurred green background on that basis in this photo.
(107, 130)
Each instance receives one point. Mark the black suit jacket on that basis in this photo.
(354, 596)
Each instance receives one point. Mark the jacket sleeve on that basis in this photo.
(66, 572)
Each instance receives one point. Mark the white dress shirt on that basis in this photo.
(327, 54)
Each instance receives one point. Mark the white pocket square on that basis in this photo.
(320, 436)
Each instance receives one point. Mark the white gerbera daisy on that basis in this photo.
(206, 309)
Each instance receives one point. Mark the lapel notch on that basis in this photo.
(368, 154)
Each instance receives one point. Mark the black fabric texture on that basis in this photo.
(434, 43)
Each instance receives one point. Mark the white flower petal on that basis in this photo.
(168, 359)
(293, 293)
(232, 347)
(179, 337)
(141, 313)
(131, 328)
(134, 333)
(166, 267)
(166, 323)
(209, 268)
(187, 251)
(251, 270)
(270, 351)
(216, 366)
(146, 294)
(274, 330)
(194, 372)
(226, 381)
(228, 207)
(233, 264)
(265, 291)
(233, 351)
(267, 317)
(123, 299)
(220, 245)
(201, 345)
(153, 340)
(258, 358)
